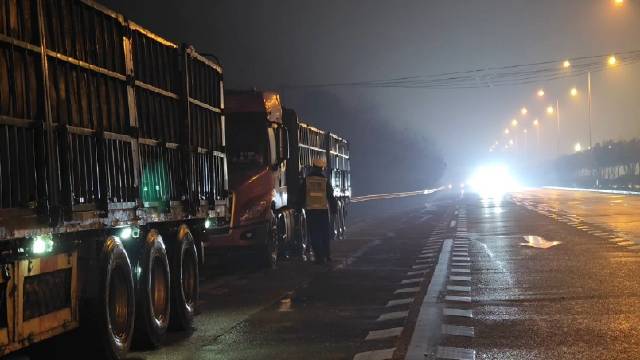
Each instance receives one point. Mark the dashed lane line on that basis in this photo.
(384, 333)
(399, 302)
(459, 288)
(412, 273)
(457, 312)
(455, 298)
(385, 354)
(459, 278)
(457, 330)
(453, 353)
(407, 290)
(425, 336)
(393, 316)
(411, 281)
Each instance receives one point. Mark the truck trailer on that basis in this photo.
(270, 151)
(112, 171)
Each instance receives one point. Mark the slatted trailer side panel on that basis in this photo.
(102, 124)
(339, 165)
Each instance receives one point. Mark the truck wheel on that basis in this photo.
(306, 250)
(335, 219)
(116, 300)
(340, 221)
(153, 293)
(343, 214)
(270, 251)
(184, 280)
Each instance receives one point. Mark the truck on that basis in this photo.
(270, 151)
(112, 171)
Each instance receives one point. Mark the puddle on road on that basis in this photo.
(539, 242)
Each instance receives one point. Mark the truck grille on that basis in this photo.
(46, 293)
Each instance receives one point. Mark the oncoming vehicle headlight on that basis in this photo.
(255, 211)
(42, 244)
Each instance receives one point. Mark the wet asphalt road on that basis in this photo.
(442, 275)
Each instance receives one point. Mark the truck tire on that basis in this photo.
(306, 250)
(184, 280)
(271, 247)
(343, 214)
(153, 293)
(115, 305)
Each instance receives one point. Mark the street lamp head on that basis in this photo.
(566, 64)
(574, 92)
(618, 3)
(511, 142)
(540, 93)
(524, 111)
(550, 110)
(525, 131)
(536, 122)
(613, 61)
(514, 122)
(506, 131)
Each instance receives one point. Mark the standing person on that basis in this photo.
(319, 200)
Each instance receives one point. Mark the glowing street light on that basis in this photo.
(524, 111)
(613, 61)
(514, 122)
(550, 110)
(618, 3)
(536, 122)
(574, 92)
(566, 64)
(510, 141)
(506, 131)
(540, 93)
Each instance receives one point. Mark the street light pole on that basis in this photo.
(558, 127)
(589, 108)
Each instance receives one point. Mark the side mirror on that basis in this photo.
(273, 148)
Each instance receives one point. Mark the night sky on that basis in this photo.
(286, 43)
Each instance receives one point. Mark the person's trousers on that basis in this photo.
(319, 233)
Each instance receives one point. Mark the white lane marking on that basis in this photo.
(459, 264)
(464, 299)
(411, 281)
(459, 288)
(407, 290)
(426, 256)
(399, 302)
(616, 240)
(393, 316)
(426, 336)
(453, 353)
(457, 312)
(424, 261)
(459, 278)
(458, 270)
(457, 330)
(460, 253)
(385, 354)
(460, 258)
(411, 273)
(384, 333)
(637, 247)
(418, 267)
(452, 223)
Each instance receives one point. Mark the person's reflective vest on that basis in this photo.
(316, 193)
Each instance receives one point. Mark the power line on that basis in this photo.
(511, 75)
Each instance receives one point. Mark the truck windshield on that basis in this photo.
(247, 140)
